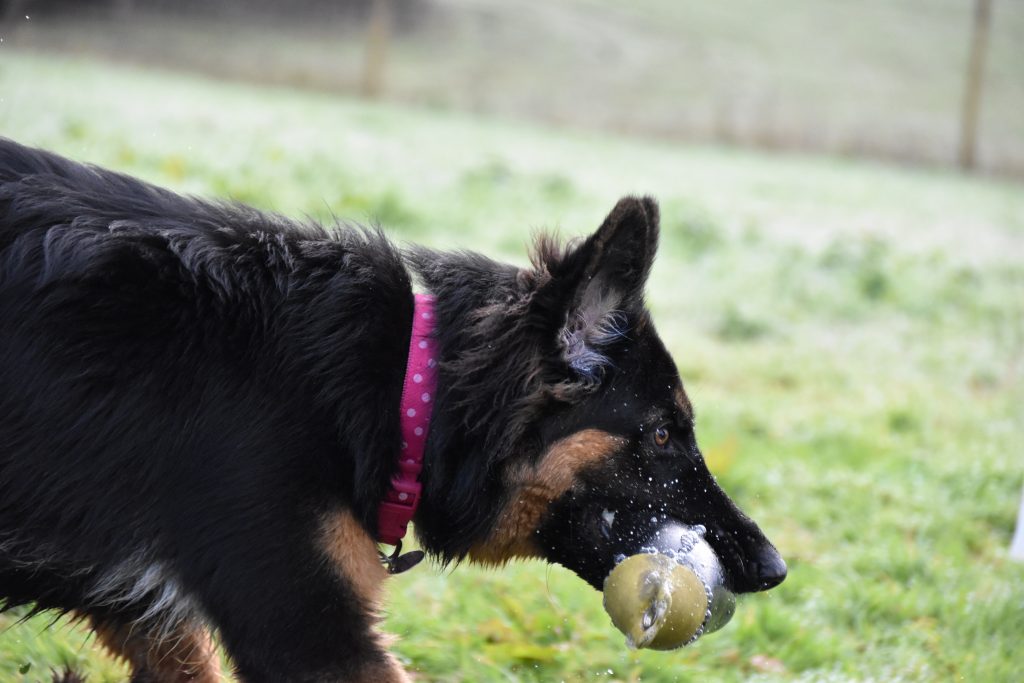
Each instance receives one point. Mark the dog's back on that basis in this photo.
(171, 374)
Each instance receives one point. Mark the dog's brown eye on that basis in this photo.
(661, 436)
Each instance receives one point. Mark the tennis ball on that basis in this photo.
(656, 602)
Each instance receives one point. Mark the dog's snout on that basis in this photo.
(770, 568)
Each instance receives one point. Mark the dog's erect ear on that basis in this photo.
(619, 255)
(602, 281)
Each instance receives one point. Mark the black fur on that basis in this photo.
(190, 386)
(68, 675)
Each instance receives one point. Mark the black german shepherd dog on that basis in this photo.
(199, 419)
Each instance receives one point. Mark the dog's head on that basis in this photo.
(562, 429)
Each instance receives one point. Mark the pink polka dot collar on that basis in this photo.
(400, 502)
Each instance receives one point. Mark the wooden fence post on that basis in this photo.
(972, 84)
(378, 36)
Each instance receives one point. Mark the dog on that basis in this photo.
(200, 429)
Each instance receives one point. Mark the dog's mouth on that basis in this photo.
(743, 561)
(590, 539)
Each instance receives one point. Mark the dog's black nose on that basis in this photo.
(771, 569)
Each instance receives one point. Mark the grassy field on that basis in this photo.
(852, 337)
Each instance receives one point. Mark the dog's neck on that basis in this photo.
(485, 407)
(418, 390)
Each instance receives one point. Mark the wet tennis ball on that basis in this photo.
(656, 602)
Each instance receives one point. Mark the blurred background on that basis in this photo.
(926, 81)
(840, 280)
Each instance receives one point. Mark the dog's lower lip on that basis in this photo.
(607, 519)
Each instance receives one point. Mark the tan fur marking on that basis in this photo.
(536, 488)
(354, 553)
(388, 671)
(187, 655)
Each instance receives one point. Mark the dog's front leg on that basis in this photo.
(307, 612)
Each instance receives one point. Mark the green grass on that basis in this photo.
(852, 336)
